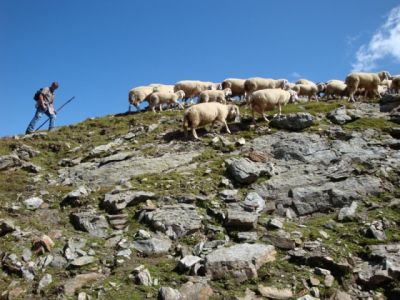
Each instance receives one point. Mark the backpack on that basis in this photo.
(36, 96)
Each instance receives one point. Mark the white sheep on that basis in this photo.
(367, 81)
(208, 113)
(160, 98)
(257, 83)
(304, 81)
(396, 84)
(267, 99)
(193, 88)
(138, 95)
(335, 88)
(306, 90)
(165, 88)
(215, 95)
(236, 85)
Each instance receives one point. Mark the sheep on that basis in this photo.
(215, 95)
(165, 88)
(138, 95)
(205, 113)
(307, 90)
(304, 81)
(368, 81)
(396, 84)
(160, 98)
(236, 85)
(193, 88)
(335, 88)
(257, 83)
(267, 99)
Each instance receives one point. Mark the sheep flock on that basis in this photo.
(260, 94)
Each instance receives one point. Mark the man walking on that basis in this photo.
(44, 105)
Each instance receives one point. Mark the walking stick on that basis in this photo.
(60, 108)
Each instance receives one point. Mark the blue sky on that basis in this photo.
(98, 50)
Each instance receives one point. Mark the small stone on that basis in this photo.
(142, 276)
(314, 281)
(45, 281)
(188, 262)
(274, 293)
(329, 280)
(82, 261)
(167, 293)
(43, 244)
(33, 203)
(275, 223)
(348, 213)
(323, 234)
(241, 142)
(320, 271)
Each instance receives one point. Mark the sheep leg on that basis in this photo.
(129, 107)
(226, 126)
(265, 117)
(194, 133)
(161, 107)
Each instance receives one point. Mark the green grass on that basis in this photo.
(368, 123)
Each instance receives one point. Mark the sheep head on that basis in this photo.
(227, 92)
(180, 94)
(233, 112)
(293, 96)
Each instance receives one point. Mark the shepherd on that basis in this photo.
(44, 105)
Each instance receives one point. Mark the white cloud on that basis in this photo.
(385, 43)
(295, 75)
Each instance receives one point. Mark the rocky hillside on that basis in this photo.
(124, 207)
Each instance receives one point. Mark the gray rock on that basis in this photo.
(247, 237)
(239, 261)
(93, 174)
(293, 122)
(59, 262)
(75, 196)
(317, 258)
(188, 262)
(339, 116)
(196, 288)
(245, 171)
(389, 102)
(82, 261)
(91, 222)
(279, 242)
(142, 276)
(175, 220)
(376, 231)
(45, 281)
(117, 200)
(167, 293)
(254, 202)
(9, 161)
(348, 213)
(26, 254)
(79, 281)
(275, 223)
(274, 293)
(239, 218)
(152, 246)
(33, 203)
(229, 195)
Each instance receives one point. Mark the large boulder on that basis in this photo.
(240, 262)
(175, 220)
(293, 122)
(91, 222)
(245, 171)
